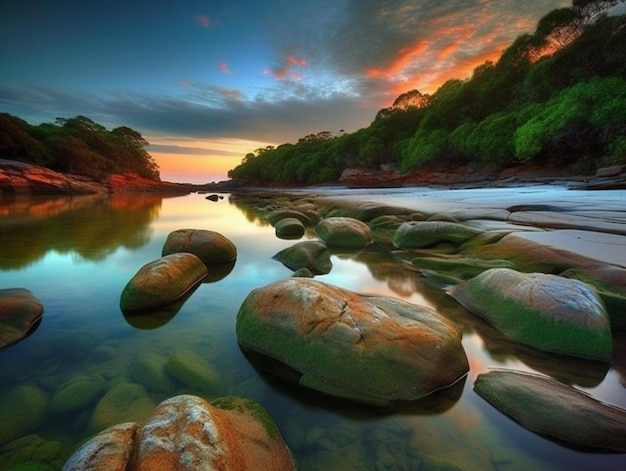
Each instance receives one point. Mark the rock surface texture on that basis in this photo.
(371, 349)
(543, 311)
(186, 433)
(344, 232)
(20, 311)
(548, 407)
(209, 246)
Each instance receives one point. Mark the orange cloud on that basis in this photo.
(284, 70)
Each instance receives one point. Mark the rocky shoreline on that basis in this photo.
(20, 178)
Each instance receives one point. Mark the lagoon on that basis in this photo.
(77, 254)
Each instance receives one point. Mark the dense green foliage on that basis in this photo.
(556, 95)
(78, 146)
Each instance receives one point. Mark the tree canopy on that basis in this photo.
(558, 94)
(77, 146)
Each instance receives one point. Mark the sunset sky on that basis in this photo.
(206, 82)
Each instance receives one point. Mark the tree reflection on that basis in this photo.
(92, 227)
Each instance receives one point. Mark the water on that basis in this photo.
(76, 255)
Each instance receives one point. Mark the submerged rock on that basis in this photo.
(209, 246)
(20, 313)
(193, 371)
(162, 282)
(419, 234)
(23, 410)
(543, 311)
(311, 254)
(187, 433)
(122, 403)
(76, 394)
(344, 232)
(548, 407)
(371, 349)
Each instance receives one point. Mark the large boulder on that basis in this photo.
(543, 311)
(20, 313)
(187, 433)
(371, 349)
(311, 254)
(209, 246)
(344, 232)
(162, 282)
(419, 234)
(550, 408)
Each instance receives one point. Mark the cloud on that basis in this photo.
(223, 68)
(203, 20)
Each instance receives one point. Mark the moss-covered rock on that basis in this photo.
(149, 371)
(344, 232)
(162, 282)
(419, 234)
(124, 402)
(371, 349)
(311, 254)
(458, 266)
(550, 408)
(22, 410)
(194, 372)
(209, 246)
(289, 228)
(20, 313)
(283, 213)
(543, 311)
(33, 453)
(76, 394)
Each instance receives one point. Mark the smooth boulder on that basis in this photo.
(289, 228)
(419, 234)
(344, 232)
(186, 433)
(543, 311)
(550, 408)
(162, 281)
(209, 246)
(20, 313)
(311, 254)
(371, 349)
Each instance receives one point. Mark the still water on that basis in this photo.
(76, 255)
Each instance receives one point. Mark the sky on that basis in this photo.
(206, 82)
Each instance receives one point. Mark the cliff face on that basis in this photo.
(23, 178)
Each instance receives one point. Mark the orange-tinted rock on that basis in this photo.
(20, 312)
(209, 246)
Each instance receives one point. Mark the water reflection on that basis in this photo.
(92, 227)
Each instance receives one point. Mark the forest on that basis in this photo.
(77, 146)
(557, 95)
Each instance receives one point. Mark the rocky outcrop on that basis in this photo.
(20, 313)
(543, 311)
(209, 246)
(418, 234)
(187, 433)
(23, 178)
(554, 409)
(371, 178)
(344, 232)
(371, 349)
(163, 281)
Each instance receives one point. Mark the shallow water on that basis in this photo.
(76, 255)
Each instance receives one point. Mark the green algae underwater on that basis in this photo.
(87, 365)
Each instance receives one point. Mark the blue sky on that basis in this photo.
(205, 82)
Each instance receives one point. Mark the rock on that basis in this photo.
(371, 349)
(610, 171)
(367, 211)
(344, 232)
(135, 183)
(209, 246)
(149, 370)
(110, 450)
(124, 402)
(33, 453)
(289, 228)
(550, 408)
(283, 213)
(419, 234)
(162, 282)
(193, 371)
(76, 394)
(186, 433)
(23, 410)
(459, 267)
(20, 314)
(543, 311)
(371, 178)
(310, 254)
